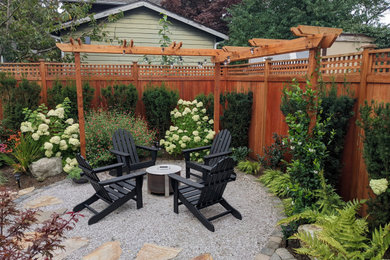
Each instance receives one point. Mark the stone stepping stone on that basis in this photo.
(25, 191)
(155, 252)
(42, 202)
(107, 251)
(206, 256)
(42, 216)
(71, 244)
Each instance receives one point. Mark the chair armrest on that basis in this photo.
(152, 149)
(108, 167)
(122, 178)
(116, 152)
(186, 181)
(215, 155)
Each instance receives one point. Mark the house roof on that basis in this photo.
(149, 5)
(112, 2)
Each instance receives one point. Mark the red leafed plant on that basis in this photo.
(17, 238)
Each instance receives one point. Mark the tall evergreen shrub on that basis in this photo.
(122, 97)
(16, 98)
(237, 116)
(59, 92)
(375, 121)
(159, 102)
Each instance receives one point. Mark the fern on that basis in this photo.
(269, 176)
(342, 236)
(278, 183)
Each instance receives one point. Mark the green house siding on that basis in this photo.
(142, 25)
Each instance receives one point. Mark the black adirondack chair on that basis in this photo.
(115, 191)
(125, 150)
(196, 196)
(218, 150)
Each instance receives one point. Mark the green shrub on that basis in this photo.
(59, 92)
(159, 102)
(275, 155)
(306, 143)
(340, 109)
(99, 128)
(16, 98)
(121, 97)
(208, 102)
(237, 116)
(375, 121)
(240, 153)
(278, 182)
(190, 128)
(249, 167)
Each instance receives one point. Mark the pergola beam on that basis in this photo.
(295, 45)
(174, 49)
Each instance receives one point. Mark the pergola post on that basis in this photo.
(313, 66)
(80, 106)
(217, 92)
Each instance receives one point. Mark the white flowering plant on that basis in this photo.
(58, 134)
(191, 128)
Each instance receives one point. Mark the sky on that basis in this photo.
(386, 18)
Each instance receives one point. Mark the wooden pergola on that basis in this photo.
(310, 38)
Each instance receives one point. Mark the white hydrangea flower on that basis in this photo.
(175, 137)
(205, 118)
(43, 128)
(203, 110)
(379, 186)
(195, 118)
(35, 136)
(177, 114)
(197, 139)
(48, 153)
(194, 110)
(68, 160)
(47, 121)
(60, 112)
(200, 104)
(69, 121)
(194, 101)
(206, 141)
(167, 132)
(26, 127)
(67, 168)
(51, 113)
(210, 136)
(41, 116)
(74, 162)
(180, 101)
(48, 146)
(211, 121)
(183, 145)
(187, 110)
(198, 123)
(195, 133)
(185, 138)
(162, 141)
(63, 145)
(74, 141)
(180, 131)
(58, 154)
(55, 140)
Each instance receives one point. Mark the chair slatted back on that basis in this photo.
(221, 143)
(92, 177)
(123, 141)
(215, 182)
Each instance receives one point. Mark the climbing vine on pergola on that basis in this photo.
(310, 38)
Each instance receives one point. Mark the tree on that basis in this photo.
(273, 18)
(26, 27)
(206, 12)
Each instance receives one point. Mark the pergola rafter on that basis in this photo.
(312, 38)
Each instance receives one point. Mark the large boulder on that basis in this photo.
(46, 167)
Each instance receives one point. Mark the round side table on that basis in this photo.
(158, 179)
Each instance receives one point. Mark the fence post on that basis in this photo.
(80, 107)
(361, 177)
(217, 91)
(313, 66)
(134, 73)
(42, 70)
(267, 69)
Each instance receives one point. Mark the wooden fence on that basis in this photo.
(368, 73)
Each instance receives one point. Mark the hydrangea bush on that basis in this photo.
(191, 128)
(58, 133)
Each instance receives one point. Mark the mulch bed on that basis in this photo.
(27, 180)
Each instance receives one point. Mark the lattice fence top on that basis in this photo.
(380, 61)
(22, 70)
(341, 64)
(289, 67)
(244, 69)
(147, 71)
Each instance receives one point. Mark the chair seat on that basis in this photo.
(120, 189)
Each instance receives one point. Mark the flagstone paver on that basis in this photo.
(155, 252)
(42, 202)
(108, 251)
